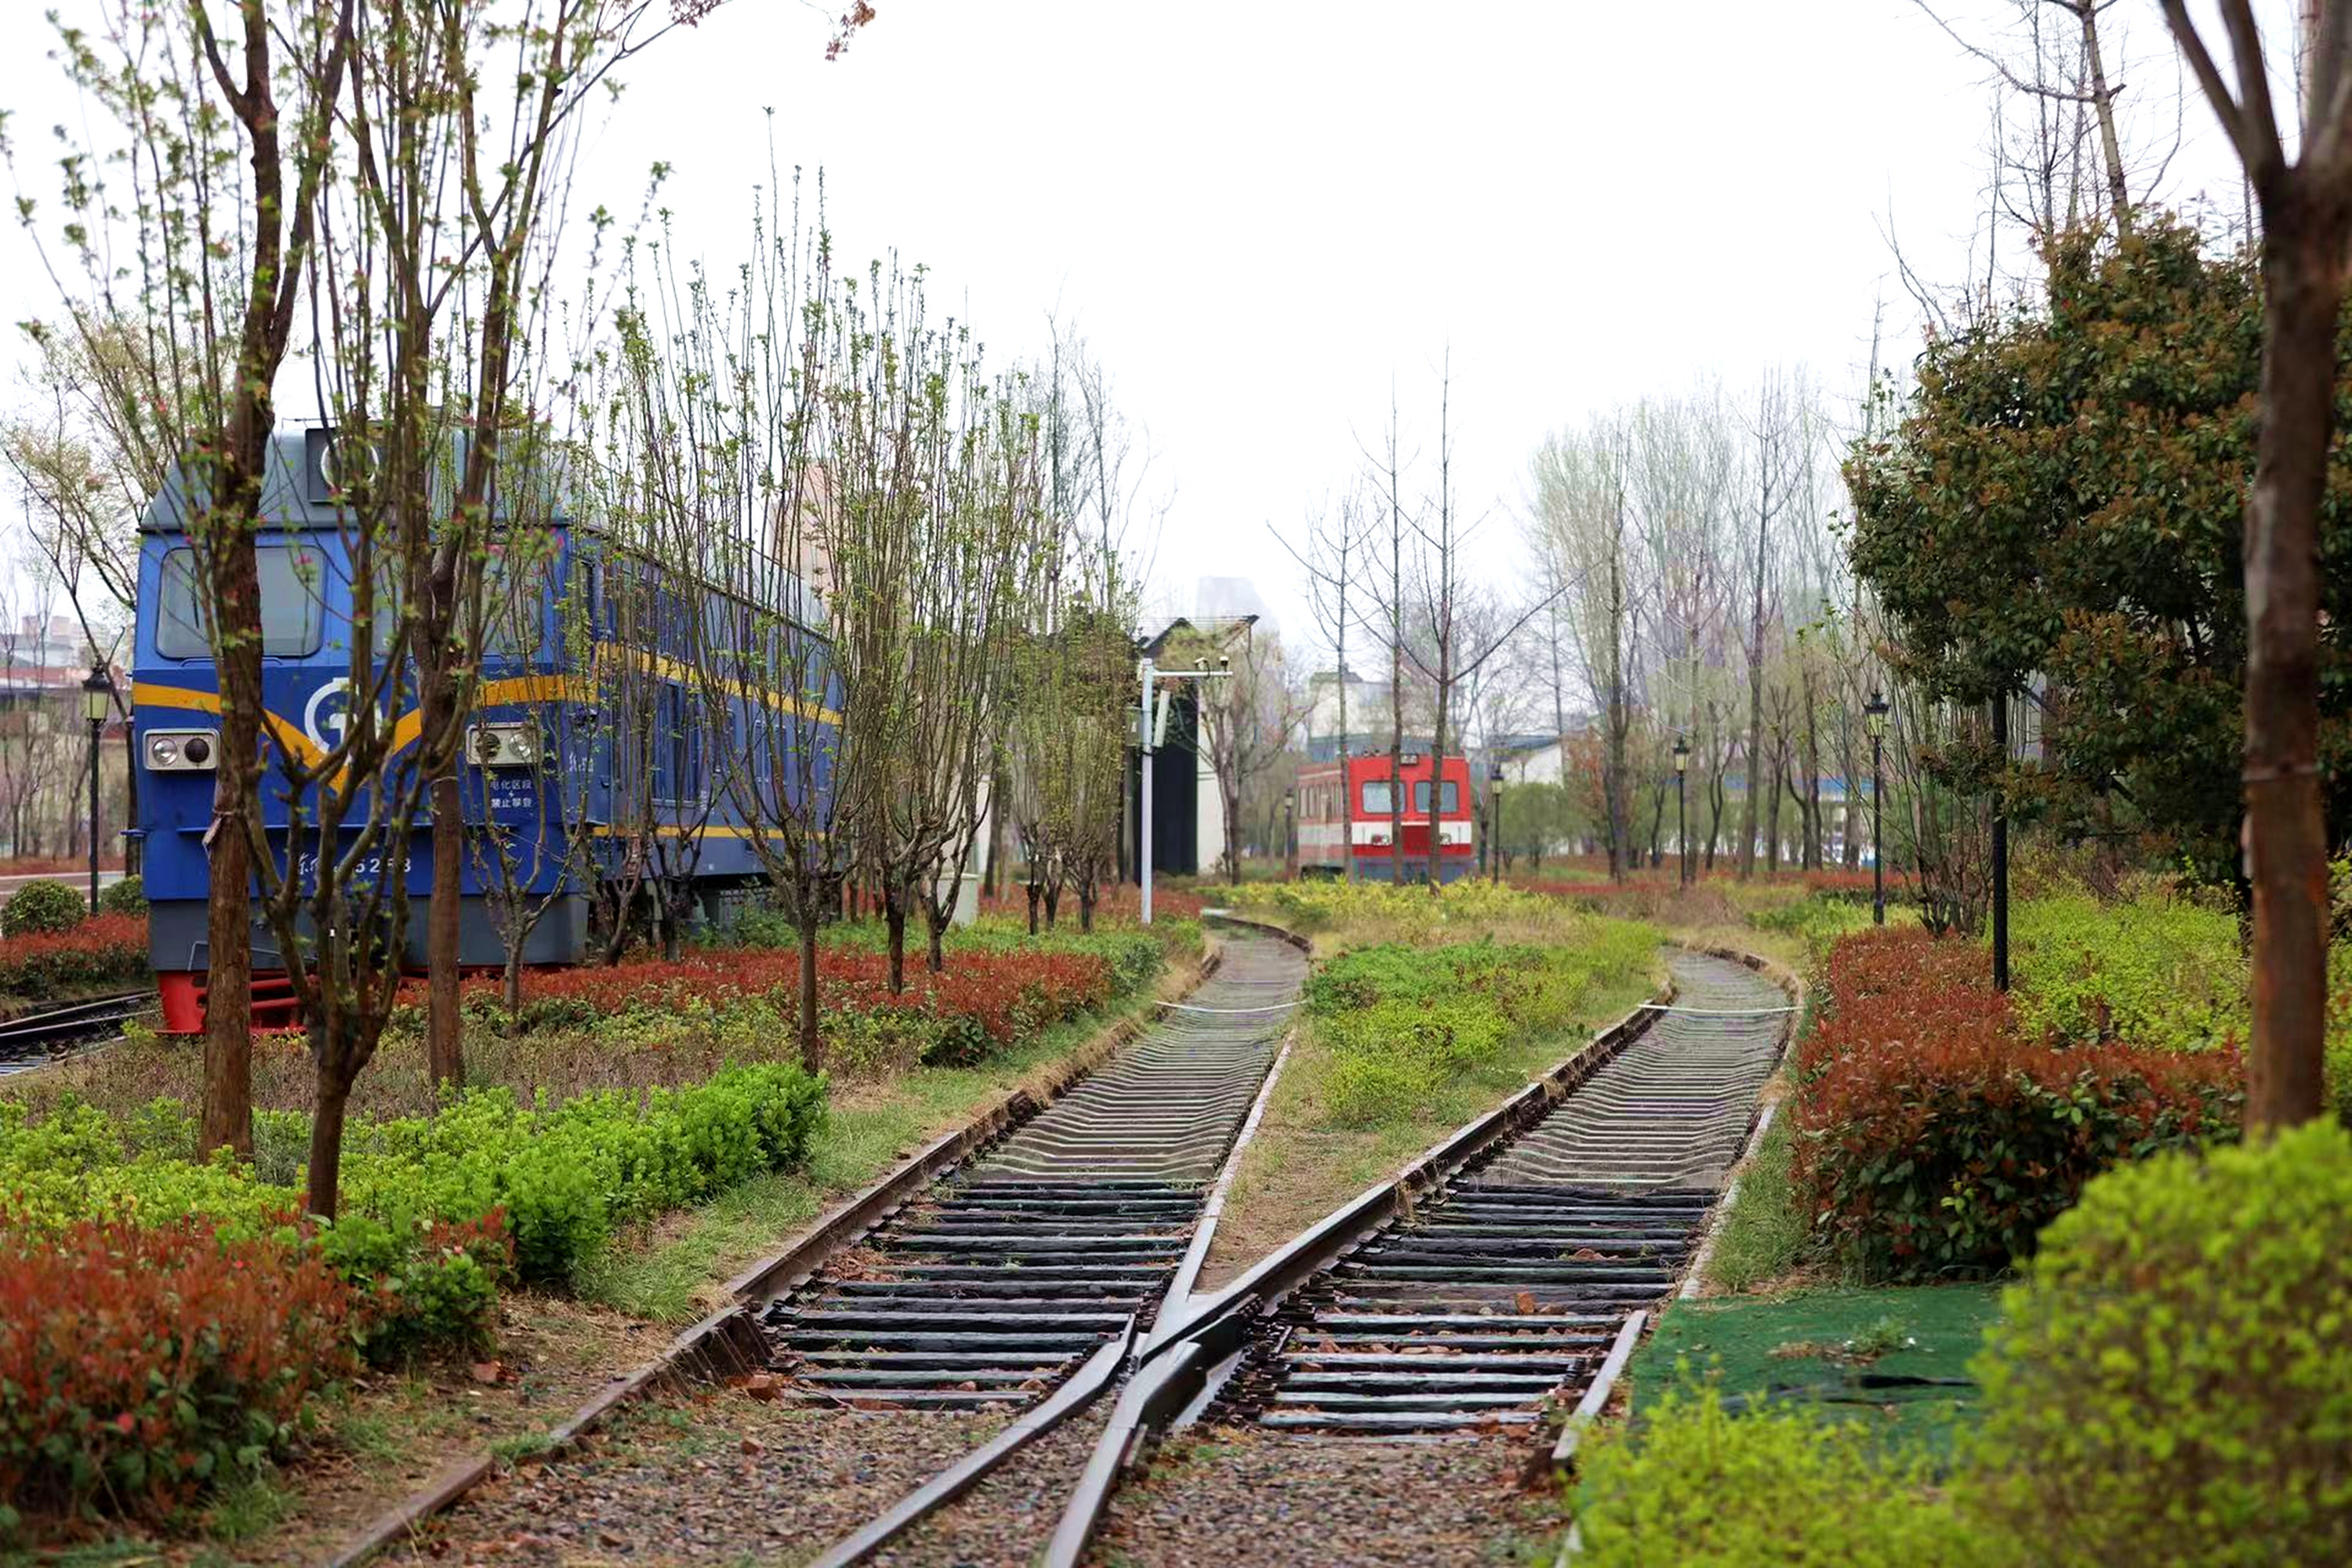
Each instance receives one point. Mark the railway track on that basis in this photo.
(1436, 1327)
(1376, 1390)
(33, 1040)
(997, 1283)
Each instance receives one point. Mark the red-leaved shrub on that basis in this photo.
(1934, 1136)
(141, 1364)
(104, 949)
(984, 1000)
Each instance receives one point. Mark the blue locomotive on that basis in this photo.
(558, 807)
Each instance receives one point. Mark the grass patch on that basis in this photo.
(1765, 1235)
(1810, 1352)
(248, 1507)
(1312, 1154)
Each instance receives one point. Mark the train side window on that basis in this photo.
(1376, 797)
(291, 617)
(1453, 797)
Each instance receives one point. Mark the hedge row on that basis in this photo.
(1935, 1135)
(559, 1180)
(102, 949)
(985, 1002)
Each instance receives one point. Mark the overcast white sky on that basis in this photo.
(1262, 215)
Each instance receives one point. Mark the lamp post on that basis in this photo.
(1876, 709)
(1494, 825)
(1289, 835)
(1682, 810)
(97, 697)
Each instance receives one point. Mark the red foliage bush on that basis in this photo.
(103, 950)
(988, 998)
(139, 1364)
(1933, 1135)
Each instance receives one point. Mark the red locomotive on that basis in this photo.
(1349, 799)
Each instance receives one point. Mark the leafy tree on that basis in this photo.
(2060, 513)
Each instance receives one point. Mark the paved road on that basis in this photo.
(9, 884)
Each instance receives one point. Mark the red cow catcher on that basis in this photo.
(1349, 799)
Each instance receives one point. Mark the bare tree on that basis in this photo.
(1778, 435)
(1329, 555)
(219, 217)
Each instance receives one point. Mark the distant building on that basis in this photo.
(1188, 826)
(1370, 716)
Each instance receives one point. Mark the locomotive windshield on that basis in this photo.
(291, 617)
(1453, 796)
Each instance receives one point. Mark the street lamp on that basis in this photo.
(1289, 835)
(97, 699)
(1494, 825)
(1876, 710)
(1682, 815)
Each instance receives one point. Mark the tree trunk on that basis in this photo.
(894, 922)
(1053, 904)
(812, 1045)
(1396, 763)
(228, 989)
(511, 986)
(2286, 827)
(444, 1042)
(2102, 104)
(1033, 908)
(334, 1097)
(1233, 836)
(1086, 907)
(1755, 691)
(228, 981)
(1772, 826)
(935, 930)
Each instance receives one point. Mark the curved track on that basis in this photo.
(29, 1041)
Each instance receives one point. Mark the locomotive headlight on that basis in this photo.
(503, 746)
(181, 751)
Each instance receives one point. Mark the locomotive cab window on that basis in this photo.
(290, 612)
(1453, 796)
(1376, 797)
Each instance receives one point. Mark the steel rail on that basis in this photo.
(728, 1341)
(1078, 1391)
(36, 1033)
(1184, 1362)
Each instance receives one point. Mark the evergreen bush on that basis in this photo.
(43, 908)
(127, 897)
(2172, 1382)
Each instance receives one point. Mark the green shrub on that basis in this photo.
(420, 1283)
(2149, 971)
(43, 905)
(2173, 1380)
(127, 897)
(567, 1178)
(1817, 920)
(1695, 1485)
